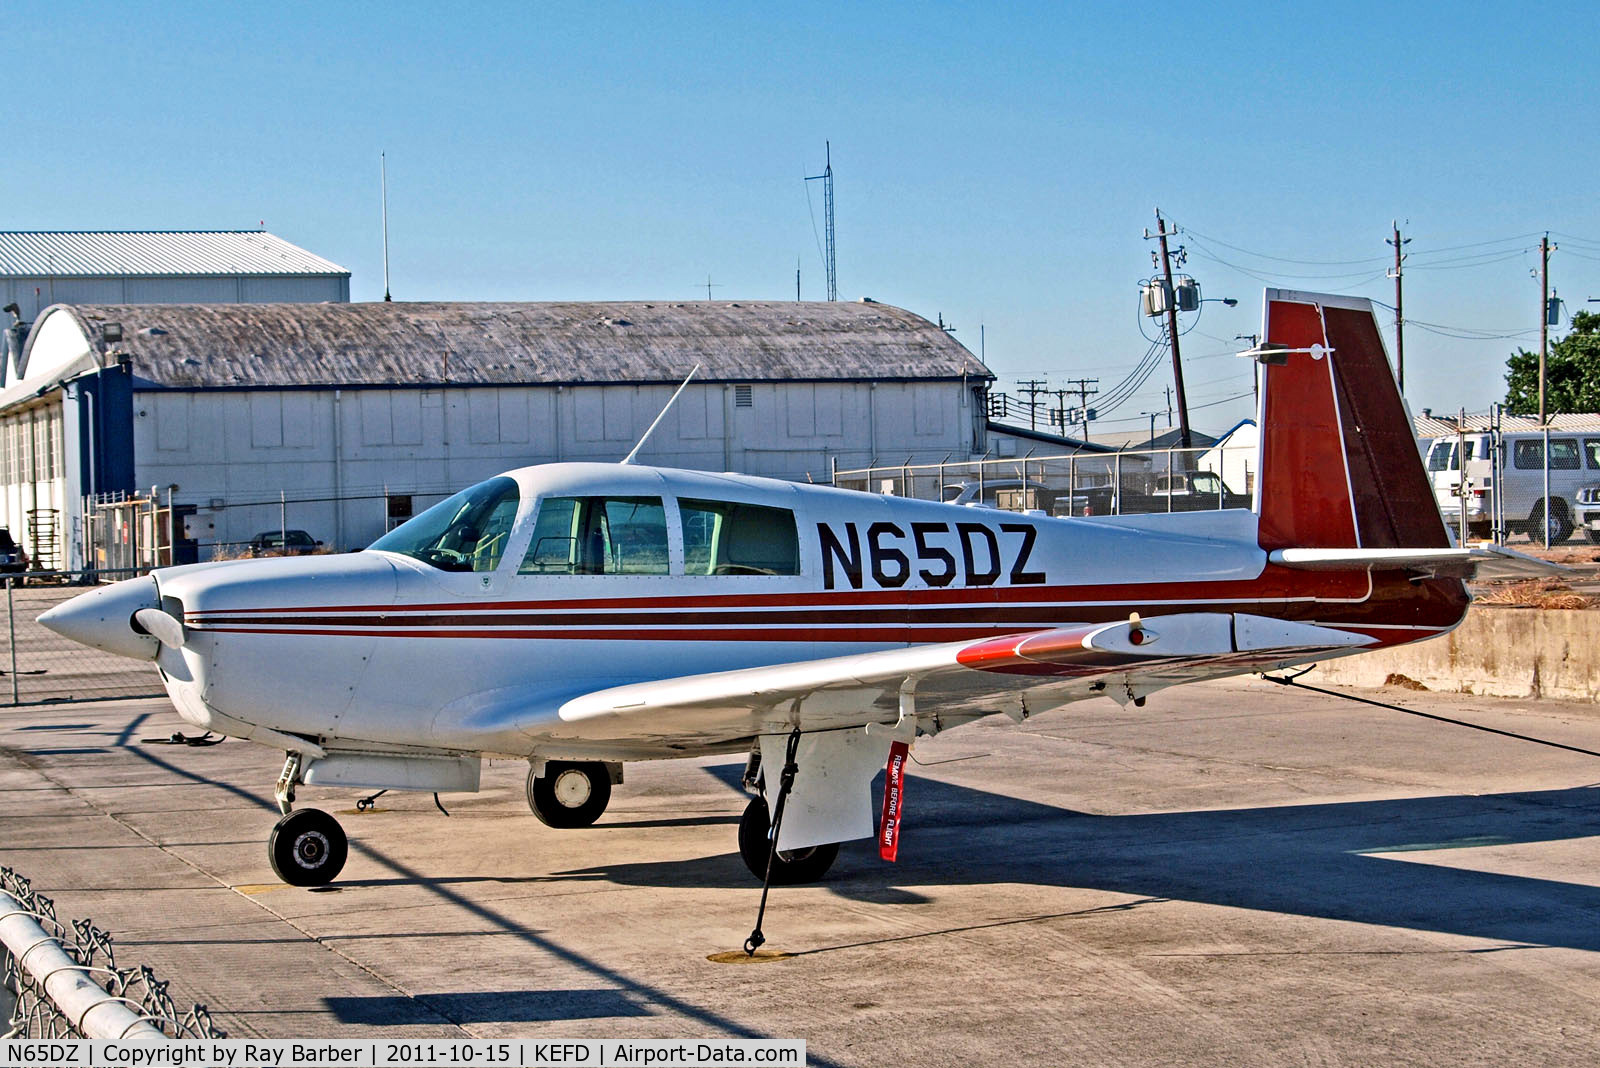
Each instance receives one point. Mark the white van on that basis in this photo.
(1574, 464)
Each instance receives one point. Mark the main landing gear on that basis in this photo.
(790, 867)
(307, 847)
(570, 793)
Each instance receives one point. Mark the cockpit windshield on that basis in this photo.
(466, 532)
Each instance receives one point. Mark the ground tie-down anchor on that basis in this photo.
(785, 783)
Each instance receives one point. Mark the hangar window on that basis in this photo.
(466, 532)
(598, 536)
(720, 538)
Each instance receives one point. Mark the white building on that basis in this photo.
(354, 414)
(41, 268)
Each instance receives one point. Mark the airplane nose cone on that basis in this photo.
(103, 618)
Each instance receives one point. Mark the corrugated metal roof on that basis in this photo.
(1433, 426)
(123, 253)
(384, 344)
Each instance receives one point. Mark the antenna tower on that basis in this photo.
(826, 177)
(383, 184)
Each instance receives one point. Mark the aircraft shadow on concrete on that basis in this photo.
(1308, 860)
(495, 1006)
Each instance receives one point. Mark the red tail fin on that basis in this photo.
(1339, 464)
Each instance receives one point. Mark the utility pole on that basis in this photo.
(1033, 387)
(1161, 234)
(1399, 308)
(1544, 315)
(1255, 384)
(1169, 407)
(1084, 388)
(1152, 416)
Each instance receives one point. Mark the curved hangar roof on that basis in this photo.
(230, 346)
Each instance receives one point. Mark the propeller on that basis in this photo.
(161, 626)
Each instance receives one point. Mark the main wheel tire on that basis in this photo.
(1560, 525)
(789, 867)
(569, 794)
(308, 848)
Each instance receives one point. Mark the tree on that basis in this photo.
(1572, 373)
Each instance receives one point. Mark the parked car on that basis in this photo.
(13, 561)
(283, 543)
(1185, 491)
(1025, 495)
(1010, 494)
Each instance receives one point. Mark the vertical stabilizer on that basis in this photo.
(1339, 462)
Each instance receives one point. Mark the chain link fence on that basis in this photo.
(1124, 482)
(30, 1010)
(43, 667)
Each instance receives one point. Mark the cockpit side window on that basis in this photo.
(721, 538)
(598, 536)
(467, 532)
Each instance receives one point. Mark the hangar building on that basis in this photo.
(41, 268)
(341, 419)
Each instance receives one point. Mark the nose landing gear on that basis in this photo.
(306, 847)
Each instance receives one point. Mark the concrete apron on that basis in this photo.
(1496, 652)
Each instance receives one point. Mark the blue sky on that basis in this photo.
(995, 165)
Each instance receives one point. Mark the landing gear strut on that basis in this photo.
(569, 794)
(308, 847)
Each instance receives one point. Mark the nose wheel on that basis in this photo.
(569, 793)
(307, 848)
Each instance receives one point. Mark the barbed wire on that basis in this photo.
(37, 1016)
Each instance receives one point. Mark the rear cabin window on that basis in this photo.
(720, 538)
(598, 536)
(1529, 455)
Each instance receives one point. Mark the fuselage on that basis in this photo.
(573, 577)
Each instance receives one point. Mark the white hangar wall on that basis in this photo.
(333, 455)
(33, 295)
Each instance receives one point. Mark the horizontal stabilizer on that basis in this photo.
(1482, 562)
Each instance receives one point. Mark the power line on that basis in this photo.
(1282, 259)
(1200, 250)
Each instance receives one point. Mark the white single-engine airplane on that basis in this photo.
(586, 615)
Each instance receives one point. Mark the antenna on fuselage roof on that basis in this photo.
(651, 429)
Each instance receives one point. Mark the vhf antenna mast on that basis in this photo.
(827, 211)
(383, 178)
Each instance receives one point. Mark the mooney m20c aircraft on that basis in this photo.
(586, 615)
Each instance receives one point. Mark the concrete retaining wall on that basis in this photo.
(1498, 652)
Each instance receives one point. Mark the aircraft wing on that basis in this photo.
(941, 684)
